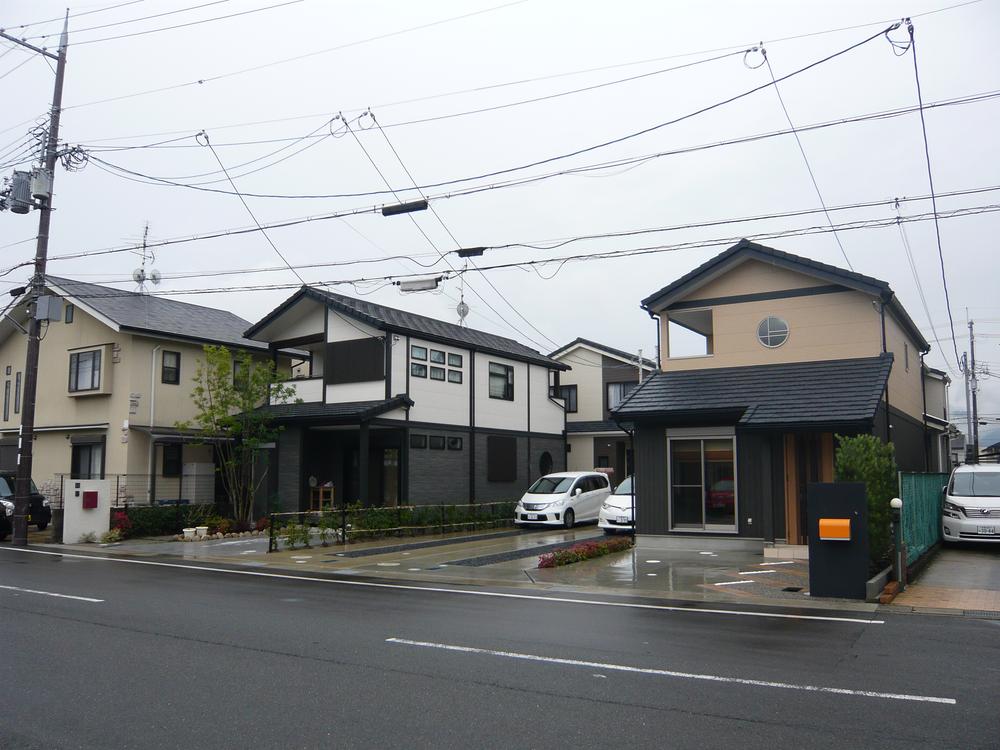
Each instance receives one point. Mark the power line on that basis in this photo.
(21, 64)
(185, 25)
(135, 20)
(930, 181)
(613, 254)
(249, 211)
(884, 114)
(802, 151)
(77, 15)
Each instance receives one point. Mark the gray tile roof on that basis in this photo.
(394, 319)
(609, 349)
(836, 392)
(345, 413)
(158, 315)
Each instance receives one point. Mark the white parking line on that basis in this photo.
(457, 592)
(780, 562)
(671, 673)
(754, 572)
(52, 593)
(734, 583)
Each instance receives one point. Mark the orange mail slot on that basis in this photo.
(835, 529)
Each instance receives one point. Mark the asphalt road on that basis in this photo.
(154, 656)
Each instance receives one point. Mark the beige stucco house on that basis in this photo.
(599, 378)
(792, 353)
(115, 375)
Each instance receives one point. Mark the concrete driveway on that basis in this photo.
(963, 577)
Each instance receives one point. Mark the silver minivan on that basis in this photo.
(971, 508)
(563, 499)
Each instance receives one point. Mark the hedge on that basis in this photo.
(155, 520)
(584, 551)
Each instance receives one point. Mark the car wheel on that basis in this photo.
(3, 535)
(569, 518)
(43, 526)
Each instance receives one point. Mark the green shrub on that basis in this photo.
(583, 551)
(865, 458)
(155, 520)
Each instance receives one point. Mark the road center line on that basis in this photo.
(671, 673)
(457, 592)
(52, 593)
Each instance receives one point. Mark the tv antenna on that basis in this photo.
(140, 275)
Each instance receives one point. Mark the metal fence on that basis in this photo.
(131, 490)
(921, 496)
(349, 524)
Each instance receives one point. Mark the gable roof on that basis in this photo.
(835, 392)
(401, 321)
(747, 250)
(154, 316)
(620, 354)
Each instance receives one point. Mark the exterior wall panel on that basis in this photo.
(652, 516)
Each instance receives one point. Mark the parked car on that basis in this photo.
(722, 496)
(39, 512)
(970, 511)
(563, 499)
(616, 513)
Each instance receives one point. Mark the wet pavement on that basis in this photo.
(699, 575)
(963, 578)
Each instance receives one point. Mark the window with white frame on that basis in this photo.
(772, 332)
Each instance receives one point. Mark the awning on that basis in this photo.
(354, 412)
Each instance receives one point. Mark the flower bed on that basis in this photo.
(584, 551)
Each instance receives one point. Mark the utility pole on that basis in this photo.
(968, 409)
(973, 387)
(22, 492)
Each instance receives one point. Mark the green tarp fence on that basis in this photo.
(921, 496)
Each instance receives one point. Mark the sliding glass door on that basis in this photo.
(702, 479)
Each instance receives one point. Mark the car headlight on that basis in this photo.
(8, 507)
(45, 503)
(952, 510)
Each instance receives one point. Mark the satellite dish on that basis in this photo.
(154, 276)
(139, 275)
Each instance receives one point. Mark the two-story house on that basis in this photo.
(793, 352)
(599, 379)
(115, 375)
(398, 408)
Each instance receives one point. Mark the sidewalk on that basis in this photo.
(960, 580)
(509, 560)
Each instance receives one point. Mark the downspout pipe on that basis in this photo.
(151, 460)
(888, 431)
(923, 396)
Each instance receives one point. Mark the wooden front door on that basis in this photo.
(808, 458)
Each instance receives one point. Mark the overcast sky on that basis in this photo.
(454, 65)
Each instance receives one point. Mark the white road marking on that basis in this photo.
(52, 593)
(780, 562)
(671, 673)
(457, 592)
(652, 561)
(734, 583)
(754, 572)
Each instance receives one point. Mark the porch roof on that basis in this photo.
(606, 425)
(798, 394)
(353, 412)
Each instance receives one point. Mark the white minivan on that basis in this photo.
(971, 508)
(563, 499)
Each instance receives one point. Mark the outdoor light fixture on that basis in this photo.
(470, 252)
(404, 208)
(418, 285)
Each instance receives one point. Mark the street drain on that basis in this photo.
(794, 589)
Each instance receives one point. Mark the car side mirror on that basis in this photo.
(578, 491)
(944, 490)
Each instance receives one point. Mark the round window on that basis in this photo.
(772, 332)
(545, 463)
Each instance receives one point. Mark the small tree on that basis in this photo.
(228, 393)
(865, 458)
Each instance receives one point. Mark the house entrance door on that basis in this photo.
(808, 458)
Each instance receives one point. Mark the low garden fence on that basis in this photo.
(921, 517)
(355, 523)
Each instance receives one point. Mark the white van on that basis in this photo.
(971, 508)
(563, 499)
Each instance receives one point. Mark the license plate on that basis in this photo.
(987, 529)
(532, 516)
(622, 519)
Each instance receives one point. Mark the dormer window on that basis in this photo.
(772, 332)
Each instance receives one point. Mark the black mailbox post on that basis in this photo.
(838, 539)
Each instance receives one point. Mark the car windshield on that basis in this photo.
(7, 487)
(550, 486)
(625, 488)
(976, 484)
